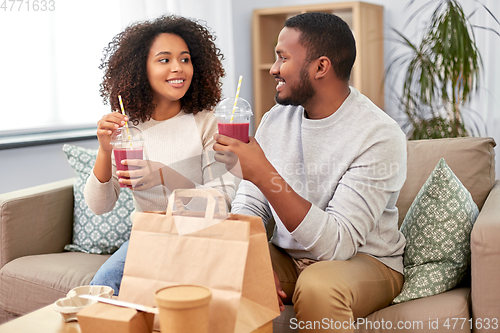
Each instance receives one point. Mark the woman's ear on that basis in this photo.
(324, 65)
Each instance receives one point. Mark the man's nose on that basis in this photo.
(275, 68)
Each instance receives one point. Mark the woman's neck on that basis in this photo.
(166, 109)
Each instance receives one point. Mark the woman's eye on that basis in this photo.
(164, 60)
(186, 60)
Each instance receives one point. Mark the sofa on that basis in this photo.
(36, 224)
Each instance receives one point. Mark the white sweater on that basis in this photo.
(350, 166)
(185, 144)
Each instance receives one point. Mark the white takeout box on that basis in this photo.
(72, 303)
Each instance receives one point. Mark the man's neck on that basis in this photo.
(326, 101)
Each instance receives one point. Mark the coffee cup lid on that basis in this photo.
(183, 296)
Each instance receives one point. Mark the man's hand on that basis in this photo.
(231, 161)
(244, 160)
(279, 291)
(256, 168)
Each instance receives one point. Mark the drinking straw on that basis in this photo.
(236, 98)
(126, 123)
(123, 109)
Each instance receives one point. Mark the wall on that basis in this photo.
(31, 166)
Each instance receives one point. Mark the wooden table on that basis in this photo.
(46, 320)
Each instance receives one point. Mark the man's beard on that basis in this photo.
(300, 93)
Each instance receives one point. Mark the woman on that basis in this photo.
(168, 74)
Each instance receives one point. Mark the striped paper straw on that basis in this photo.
(123, 109)
(236, 98)
(123, 112)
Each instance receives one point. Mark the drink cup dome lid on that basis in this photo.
(226, 106)
(133, 134)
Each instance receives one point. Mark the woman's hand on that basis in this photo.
(108, 124)
(142, 174)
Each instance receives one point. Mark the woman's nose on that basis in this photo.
(176, 66)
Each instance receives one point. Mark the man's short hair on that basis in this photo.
(327, 35)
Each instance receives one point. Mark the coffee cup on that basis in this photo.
(183, 308)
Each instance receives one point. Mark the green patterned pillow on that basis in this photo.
(99, 234)
(437, 229)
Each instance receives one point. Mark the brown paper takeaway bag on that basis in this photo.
(227, 253)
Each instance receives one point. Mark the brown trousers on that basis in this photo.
(330, 295)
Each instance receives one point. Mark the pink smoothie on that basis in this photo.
(236, 130)
(127, 154)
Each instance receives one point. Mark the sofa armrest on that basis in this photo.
(485, 262)
(36, 220)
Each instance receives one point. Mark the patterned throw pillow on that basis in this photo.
(437, 229)
(99, 234)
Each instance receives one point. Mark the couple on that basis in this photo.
(322, 165)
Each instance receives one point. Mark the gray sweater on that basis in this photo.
(350, 166)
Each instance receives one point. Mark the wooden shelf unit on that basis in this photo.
(366, 21)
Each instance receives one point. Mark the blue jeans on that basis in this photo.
(111, 272)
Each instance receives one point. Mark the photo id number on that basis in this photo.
(27, 5)
(478, 323)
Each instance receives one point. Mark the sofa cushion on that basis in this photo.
(6, 316)
(46, 211)
(32, 282)
(446, 312)
(420, 315)
(471, 159)
(100, 234)
(437, 230)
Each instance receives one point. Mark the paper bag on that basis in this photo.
(228, 254)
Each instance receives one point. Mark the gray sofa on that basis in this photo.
(36, 223)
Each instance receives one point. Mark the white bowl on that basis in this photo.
(101, 291)
(72, 303)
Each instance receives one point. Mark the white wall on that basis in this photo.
(18, 171)
(31, 166)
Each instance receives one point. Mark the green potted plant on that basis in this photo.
(441, 73)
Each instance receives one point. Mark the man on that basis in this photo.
(327, 165)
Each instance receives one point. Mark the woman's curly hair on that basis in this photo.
(125, 67)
